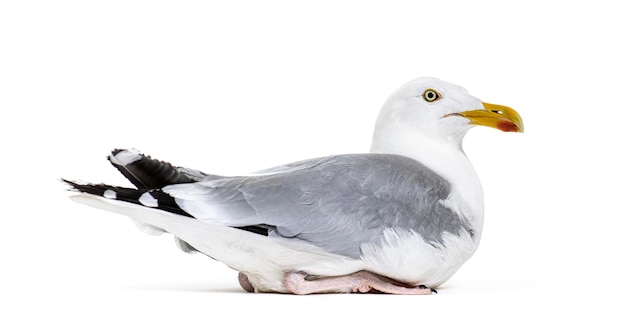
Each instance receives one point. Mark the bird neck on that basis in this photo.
(444, 158)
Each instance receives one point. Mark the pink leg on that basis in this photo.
(362, 281)
(245, 283)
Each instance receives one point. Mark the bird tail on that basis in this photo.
(155, 199)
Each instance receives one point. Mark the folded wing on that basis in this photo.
(336, 203)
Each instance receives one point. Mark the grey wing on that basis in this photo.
(336, 203)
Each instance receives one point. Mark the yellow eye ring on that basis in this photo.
(431, 95)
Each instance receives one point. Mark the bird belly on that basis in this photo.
(405, 256)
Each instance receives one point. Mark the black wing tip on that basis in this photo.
(87, 188)
(144, 172)
(71, 185)
(92, 188)
(164, 201)
(78, 186)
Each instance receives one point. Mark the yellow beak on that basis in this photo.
(501, 117)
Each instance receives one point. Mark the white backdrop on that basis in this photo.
(237, 87)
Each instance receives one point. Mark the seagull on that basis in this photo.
(401, 219)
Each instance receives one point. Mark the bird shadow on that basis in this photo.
(183, 287)
(452, 288)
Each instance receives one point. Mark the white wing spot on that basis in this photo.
(125, 157)
(147, 200)
(110, 194)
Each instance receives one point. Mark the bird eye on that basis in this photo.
(431, 95)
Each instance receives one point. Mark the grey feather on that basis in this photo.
(336, 203)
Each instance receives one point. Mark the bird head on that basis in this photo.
(439, 111)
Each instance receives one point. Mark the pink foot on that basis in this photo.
(245, 283)
(362, 282)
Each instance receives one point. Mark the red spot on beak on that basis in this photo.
(507, 126)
